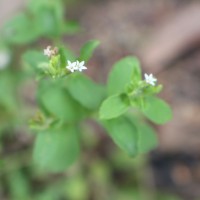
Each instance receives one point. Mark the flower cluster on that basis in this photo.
(71, 66)
(150, 79)
(50, 52)
(76, 66)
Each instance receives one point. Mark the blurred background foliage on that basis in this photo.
(102, 171)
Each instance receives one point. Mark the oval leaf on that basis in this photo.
(113, 107)
(157, 110)
(56, 149)
(123, 72)
(34, 58)
(86, 92)
(17, 31)
(58, 102)
(123, 133)
(88, 49)
(147, 138)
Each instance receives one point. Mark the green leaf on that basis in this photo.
(123, 133)
(35, 59)
(71, 27)
(48, 16)
(18, 185)
(114, 106)
(35, 5)
(66, 54)
(147, 138)
(8, 95)
(58, 102)
(85, 91)
(157, 110)
(123, 72)
(46, 21)
(17, 30)
(88, 49)
(56, 149)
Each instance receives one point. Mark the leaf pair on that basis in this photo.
(127, 72)
(130, 135)
(124, 128)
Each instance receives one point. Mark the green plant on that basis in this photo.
(66, 97)
(40, 19)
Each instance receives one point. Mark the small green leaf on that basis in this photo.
(157, 110)
(147, 138)
(8, 93)
(57, 102)
(17, 30)
(66, 54)
(35, 59)
(123, 72)
(114, 106)
(123, 133)
(46, 22)
(85, 91)
(71, 27)
(88, 49)
(56, 149)
(18, 185)
(35, 5)
(48, 16)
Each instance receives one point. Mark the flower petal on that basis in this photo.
(82, 63)
(69, 62)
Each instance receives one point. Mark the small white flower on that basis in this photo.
(71, 66)
(76, 66)
(4, 59)
(48, 51)
(81, 66)
(150, 79)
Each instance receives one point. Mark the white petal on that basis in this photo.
(84, 67)
(150, 79)
(47, 51)
(151, 75)
(70, 68)
(68, 62)
(152, 83)
(155, 79)
(73, 64)
(82, 63)
(146, 76)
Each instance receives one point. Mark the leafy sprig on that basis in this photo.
(66, 97)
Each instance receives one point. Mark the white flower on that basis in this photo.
(71, 66)
(81, 66)
(76, 66)
(150, 79)
(48, 51)
(4, 59)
